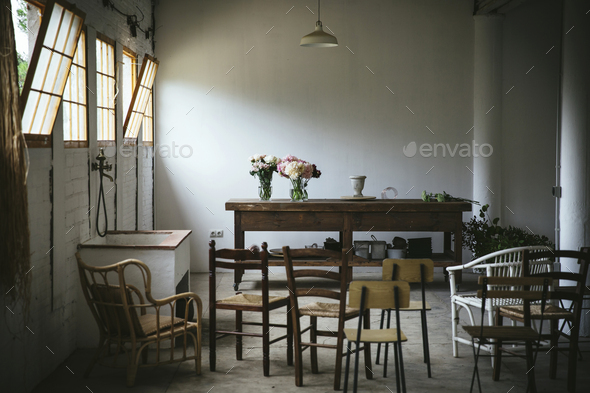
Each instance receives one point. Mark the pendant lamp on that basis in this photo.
(319, 38)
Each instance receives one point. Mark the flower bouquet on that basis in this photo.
(263, 167)
(299, 172)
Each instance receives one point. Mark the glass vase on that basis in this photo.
(264, 192)
(305, 196)
(265, 188)
(297, 190)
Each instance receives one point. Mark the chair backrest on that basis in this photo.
(114, 303)
(410, 270)
(237, 259)
(526, 289)
(379, 294)
(314, 254)
(575, 279)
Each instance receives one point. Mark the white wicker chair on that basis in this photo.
(504, 263)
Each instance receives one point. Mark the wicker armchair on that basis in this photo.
(504, 263)
(126, 320)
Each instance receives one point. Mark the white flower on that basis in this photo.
(271, 159)
(257, 157)
(294, 169)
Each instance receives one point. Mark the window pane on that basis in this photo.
(71, 40)
(39, 114)
(142, 93)
(29, 111)
(74, 99)
(64, 30)
(41, 70)
(81, 82)
(44, 89)
(105, 61)
(64, 70)
(52, 29)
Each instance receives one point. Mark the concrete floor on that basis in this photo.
(448, 374)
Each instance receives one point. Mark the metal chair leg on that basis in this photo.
(401, 366)
(396, 361)
(347, 369)
(356, 369)
(379, 345)
(386, 345)
(425, 343)
(475, 369)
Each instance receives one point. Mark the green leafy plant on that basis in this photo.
(444, 197)
(483, 236)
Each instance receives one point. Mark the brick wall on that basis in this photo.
(30, 353)
(146, 188)
(129, 189)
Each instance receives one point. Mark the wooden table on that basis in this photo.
(346, 217)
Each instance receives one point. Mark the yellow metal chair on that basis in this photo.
(366, 295)
(412, 271)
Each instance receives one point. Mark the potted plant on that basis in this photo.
(483, 236)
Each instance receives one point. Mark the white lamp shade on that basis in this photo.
(319, 38)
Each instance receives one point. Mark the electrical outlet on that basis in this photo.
(219, 233)
(212, 233)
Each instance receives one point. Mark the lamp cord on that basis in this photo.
(319, 11)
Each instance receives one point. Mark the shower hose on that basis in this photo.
(104, 206)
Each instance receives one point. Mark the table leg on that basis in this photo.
(346, 239)
(458, 248)
(239, 239)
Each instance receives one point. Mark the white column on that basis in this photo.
(487, 112)
(574, 213)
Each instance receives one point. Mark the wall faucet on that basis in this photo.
(103, 165)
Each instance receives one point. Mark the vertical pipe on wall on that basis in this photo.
(558, 134)
(487, 107)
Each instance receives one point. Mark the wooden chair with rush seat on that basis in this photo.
(366, 295)
(574, 293)
(412, 271)
(242, 259)
(336, 309)
(526, 289)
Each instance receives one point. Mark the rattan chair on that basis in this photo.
(391, 295)
(241, 259)
(526, 289)
(132, 323)
(412, 271)
(335, 309)
(574, 293)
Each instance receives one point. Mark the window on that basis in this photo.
(105, 88)
(140, 97)
(148, 123)
(129, 77)
(75, 107)
(49, 67)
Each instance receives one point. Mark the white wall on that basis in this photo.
(323, 105)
